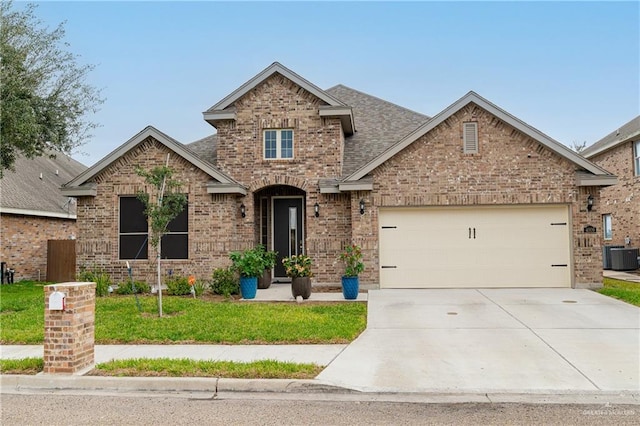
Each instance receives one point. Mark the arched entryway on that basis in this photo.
(280, 217)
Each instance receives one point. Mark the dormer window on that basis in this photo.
(278, 144)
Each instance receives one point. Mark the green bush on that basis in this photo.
(225, 282)
(127, 287)
(177, 285)
(98, 276)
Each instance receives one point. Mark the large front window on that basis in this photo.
(134, 232)
(278, 144)
(636, 156)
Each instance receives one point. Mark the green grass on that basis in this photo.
(165, 367)
(22, 313)
(21, 366)
(187, 320)
(623, 290)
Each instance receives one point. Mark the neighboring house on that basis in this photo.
(34, 211)
(619, 152)
(472, 197)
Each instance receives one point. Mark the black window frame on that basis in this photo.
(133, 229)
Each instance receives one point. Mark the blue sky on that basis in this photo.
(570, 69)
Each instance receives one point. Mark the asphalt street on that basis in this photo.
(298, 409)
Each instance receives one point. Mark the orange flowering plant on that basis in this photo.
(297, 266)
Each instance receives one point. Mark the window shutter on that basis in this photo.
(470, 136)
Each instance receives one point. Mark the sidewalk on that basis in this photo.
(620, 275)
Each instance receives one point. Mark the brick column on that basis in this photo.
(69, 333)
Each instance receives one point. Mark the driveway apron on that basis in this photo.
(506, 340)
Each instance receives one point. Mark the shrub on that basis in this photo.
(127, 287)
(225, 282)
(177, 285)
(249, 262)
(98, 276)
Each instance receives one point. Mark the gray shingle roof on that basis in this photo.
(23, 189)
(206, 148)
(618, 136)
(379, 124)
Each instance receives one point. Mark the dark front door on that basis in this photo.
(288, 230)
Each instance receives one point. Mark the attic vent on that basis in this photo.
(470, 137)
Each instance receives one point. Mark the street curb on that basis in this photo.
(11, 383)
(164, 384)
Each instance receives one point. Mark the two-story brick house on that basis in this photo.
(619, 152)
(472, 197)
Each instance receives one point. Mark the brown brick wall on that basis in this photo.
(510, 168)
(318, 142)
(24, 242)
(69, 335)
(213, 219)
(622, 201)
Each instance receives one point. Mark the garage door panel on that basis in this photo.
(475, 247)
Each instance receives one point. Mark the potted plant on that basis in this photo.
(249, 265)
(298, 267)
(269, 260)
(353, 266)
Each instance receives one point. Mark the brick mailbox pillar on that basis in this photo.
(69, 327)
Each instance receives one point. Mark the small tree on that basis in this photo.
(167, 205)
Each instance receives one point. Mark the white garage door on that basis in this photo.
(475, 247)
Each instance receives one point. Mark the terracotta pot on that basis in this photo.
(265, 280)
(301, 286)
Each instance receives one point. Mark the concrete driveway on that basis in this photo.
(506, 340)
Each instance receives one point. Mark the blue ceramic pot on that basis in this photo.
(350, 287)
(248, 287)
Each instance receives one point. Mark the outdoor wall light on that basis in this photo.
(243, 210)
(362, 206)
(316, 209)
(589, 203)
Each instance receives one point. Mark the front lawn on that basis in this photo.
(623, 290)
(187, 320)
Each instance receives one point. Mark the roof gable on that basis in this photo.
(473, 97)
(80, 185)
(223, 110)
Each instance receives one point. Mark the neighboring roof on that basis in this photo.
(380, 124)
(334, 107)
(81, 185)
(473, 97)
(24, 191)
(622, 135)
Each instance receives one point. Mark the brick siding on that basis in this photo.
(69, 334)
(24, 242)
(622, 201)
